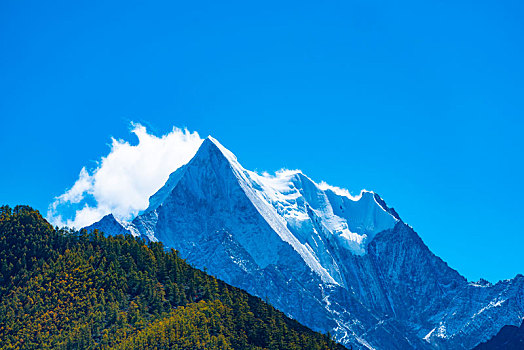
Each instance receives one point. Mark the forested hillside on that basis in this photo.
(62, 289)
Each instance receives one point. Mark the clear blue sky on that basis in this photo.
(421, 101)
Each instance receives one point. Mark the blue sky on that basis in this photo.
(421, 102)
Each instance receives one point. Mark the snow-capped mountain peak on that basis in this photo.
(210, 141)
(335, 262)
(295, 198)
(209, 148)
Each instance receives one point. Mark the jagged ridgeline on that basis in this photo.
(62, 289)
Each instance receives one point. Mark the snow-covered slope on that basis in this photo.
(334, 262)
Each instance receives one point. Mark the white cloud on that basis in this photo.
(125, 178)
(340, 191)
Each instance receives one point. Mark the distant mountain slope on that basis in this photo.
(79, 290)
(509, 338)
(334, 262)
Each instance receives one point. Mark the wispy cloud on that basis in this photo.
(124, 179)
(340, 191)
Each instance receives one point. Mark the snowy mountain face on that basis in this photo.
(336, 263)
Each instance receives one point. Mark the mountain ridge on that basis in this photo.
(336, 262)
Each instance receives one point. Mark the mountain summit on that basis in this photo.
(338, 263)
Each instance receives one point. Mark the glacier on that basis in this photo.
(334, 262)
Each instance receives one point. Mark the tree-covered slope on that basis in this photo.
(63, 289)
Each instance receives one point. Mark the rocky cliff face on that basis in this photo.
(509, 338)
(336, 263)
